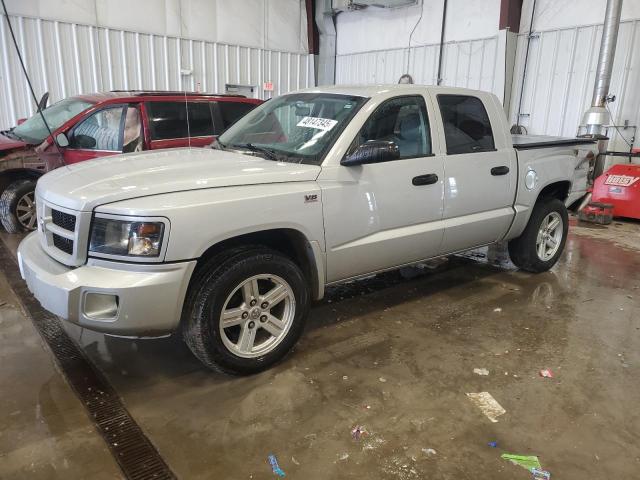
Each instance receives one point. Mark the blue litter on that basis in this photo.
(273, 461)
(540, 474)
(493, 444)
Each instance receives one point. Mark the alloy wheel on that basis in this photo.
(257, 315)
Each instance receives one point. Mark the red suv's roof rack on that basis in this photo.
(177, 92)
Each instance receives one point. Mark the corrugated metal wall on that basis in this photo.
(67, 58)
(470, 64)
(561, 74)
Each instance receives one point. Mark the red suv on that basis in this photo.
(101, 124)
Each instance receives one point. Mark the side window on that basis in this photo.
(467, 128)
(200, 120)
(233, 111)
(167, 120)
(403, 121)
(101, 131)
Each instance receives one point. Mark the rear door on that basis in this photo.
(480, 171)
(175, 124)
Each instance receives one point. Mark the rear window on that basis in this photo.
(168, 120)
(233, 111)
(467, 128)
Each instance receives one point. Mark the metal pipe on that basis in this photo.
(598, 116)
(517, 128)
(325, 21)
(444, 22)
(607, 52)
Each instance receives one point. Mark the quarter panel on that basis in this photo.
(551, 165)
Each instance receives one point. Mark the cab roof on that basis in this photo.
(382, 89)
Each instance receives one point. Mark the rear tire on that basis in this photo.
(542, 241)
(17, 207)
(260, 295)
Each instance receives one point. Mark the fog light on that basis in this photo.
(101, 306)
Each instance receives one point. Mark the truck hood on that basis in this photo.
(7, 143)
(86, 185)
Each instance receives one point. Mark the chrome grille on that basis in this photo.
(64, 244)
(64, 233)
(64, 220)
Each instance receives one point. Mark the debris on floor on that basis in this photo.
(295, 462)
(382, 379)
(493, 444)
(497, 309)
(529, 462)
(489, 406)
(358, 432)
(429, 451)
(273, 461)
(546, 373)
(540, 474)
(481, 371)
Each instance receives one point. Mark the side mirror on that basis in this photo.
(84, 141)
(62, 140)
(372, 151)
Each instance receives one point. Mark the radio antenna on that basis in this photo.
(186, 109)
(33, 93)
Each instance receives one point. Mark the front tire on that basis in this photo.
(245, 310)
(542, 242)
(18, 207)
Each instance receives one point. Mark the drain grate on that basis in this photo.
(136, 455)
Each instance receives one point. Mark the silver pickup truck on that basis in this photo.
(229, 245)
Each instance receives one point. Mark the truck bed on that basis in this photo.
(527, 142)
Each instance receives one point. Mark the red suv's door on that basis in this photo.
(111, 130)
(176, 123)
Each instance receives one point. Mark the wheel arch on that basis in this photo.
(557, 189)
(9, 176)
(290, 242)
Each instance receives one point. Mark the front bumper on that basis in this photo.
(115, 298)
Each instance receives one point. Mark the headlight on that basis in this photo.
(128, 238)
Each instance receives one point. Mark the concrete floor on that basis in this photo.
(393, 354)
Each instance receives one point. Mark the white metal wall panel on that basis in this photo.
(68, 59)
(560, 76)
(470, 64)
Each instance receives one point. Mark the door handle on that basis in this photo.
(428, 179)
(502, 170)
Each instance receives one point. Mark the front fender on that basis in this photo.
(202, 218)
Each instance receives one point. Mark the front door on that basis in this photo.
(382, 215)
(480, 174)
(110, 131)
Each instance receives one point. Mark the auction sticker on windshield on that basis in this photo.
(324, 124)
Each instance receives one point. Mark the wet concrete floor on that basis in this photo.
(394, 354)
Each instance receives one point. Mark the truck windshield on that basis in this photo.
(34, 130)
(300, 127)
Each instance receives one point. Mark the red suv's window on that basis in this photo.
(233, 111)
(168, 120)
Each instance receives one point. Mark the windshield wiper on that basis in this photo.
(270, 154)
